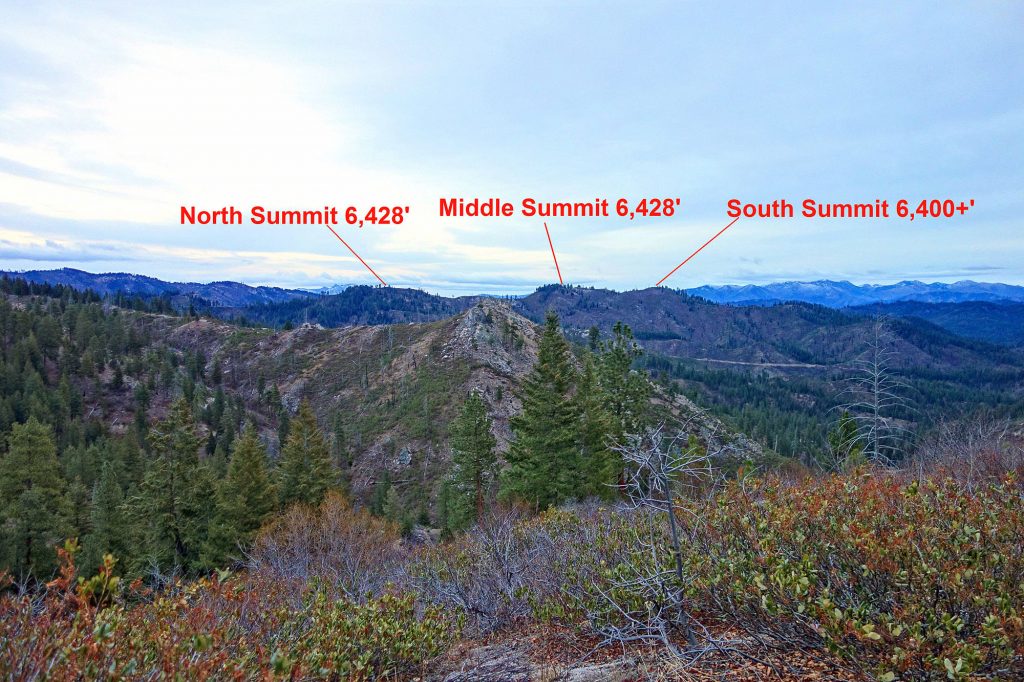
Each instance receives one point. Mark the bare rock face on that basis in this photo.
(491, 334)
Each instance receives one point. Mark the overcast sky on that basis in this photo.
(112, 116)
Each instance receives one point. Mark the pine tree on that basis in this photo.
(78, 497)
(173, 506)
(600, 466)
(283, 425)
(395, 511)
(844, 445)
(339, 442)
(543, 463)
(474, 459)
(627, 391)
(444, 503)
(306, 473)
(380, 493)
(107, 520)
(244, 500)
(33, 506)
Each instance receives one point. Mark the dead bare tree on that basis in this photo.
(657, 467)
(874, 394)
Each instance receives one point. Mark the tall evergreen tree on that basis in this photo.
(173, 506)
(244, 500)
(339, 442)
(33, 507)
(394, 510)
(444, 502)
(380, 493)
(108, 533)
(599, 464)
(306, 473)
(543, 463)
(845, 450)
(627, 391)
(78, 498)
(474, 459)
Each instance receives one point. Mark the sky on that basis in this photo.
(114, 115)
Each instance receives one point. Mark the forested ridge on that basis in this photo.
(170, 460)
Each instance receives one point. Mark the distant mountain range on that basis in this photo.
(218, 294)
(982, 311)
(332, 290)
(823, 292)
(845, 294)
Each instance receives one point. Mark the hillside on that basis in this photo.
(999, 322)
(354, 305)
(775, 372)
(395, 386)
(667, 322)
(771, 337)
(398, 386)
(778, 372)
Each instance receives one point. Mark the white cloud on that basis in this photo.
(111, 117)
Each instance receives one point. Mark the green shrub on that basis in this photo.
(381, 638)
(908, 580)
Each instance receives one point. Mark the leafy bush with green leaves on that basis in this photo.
(907, 579)
(383, 638)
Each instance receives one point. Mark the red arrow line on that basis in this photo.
(552, 245)
(355, 254)
(695, 253)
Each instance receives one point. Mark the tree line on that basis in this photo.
(174, 511)
(185, 484)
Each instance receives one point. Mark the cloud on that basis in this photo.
(111, 118)
(241, 264)
(52, 251)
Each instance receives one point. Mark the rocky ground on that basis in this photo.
(560, 655)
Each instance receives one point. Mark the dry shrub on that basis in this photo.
(350, 550)
(972, 451)
(258, 625)
(483, 573)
